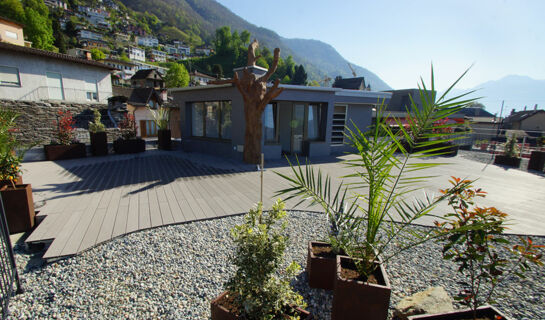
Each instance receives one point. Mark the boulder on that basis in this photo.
(432, 300)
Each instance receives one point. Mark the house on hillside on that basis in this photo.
(351, 83)
(136, 53)
(157, 56)
(199, 79)
(84, 34)
(34, 75)
(301, 120)
(56, 4)
(148, 78)
(12, 32)
(79, 53)
(527, 120)
(148, 41)
(94, 44)
(123, 70)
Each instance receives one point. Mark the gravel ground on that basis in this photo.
(174, 272)
(488, 158)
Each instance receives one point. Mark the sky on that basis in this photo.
(399, 40)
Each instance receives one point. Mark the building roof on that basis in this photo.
(350, 83)
(119, 61)
(144, 74)
(12, 22)
(52, 55)
(521, 115)
(200, 74)
(475, 112)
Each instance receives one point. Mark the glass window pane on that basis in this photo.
(197, 118)
(313, 123)
(226, 120)
(269, 123)
(212, 119)
(9, 75)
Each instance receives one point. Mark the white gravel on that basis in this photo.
(173, 272)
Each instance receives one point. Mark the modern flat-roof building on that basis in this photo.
(301, 120)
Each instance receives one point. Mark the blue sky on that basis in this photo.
(398, 40)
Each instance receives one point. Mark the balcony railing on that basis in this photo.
(66, 94)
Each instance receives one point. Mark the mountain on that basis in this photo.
(203, 17)
(517, 91)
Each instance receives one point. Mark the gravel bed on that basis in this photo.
(488, 158)
(174, 272)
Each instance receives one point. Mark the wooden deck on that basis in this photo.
(93, 200)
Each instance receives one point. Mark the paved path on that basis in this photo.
(93, 200)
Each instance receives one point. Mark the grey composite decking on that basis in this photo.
(93, 200)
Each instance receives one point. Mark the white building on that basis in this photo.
(34, 75)
(87, 34)
(136, 54)
(158, 56)
(56, 4)
(170, 49)
(148, 41)
(183, 48)
(203, 51)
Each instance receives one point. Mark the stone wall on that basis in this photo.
(37, 121)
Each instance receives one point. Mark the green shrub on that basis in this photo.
(260, 291)
(96, 125)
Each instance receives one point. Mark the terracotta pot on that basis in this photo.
(354, 299)
(19, 207)
(482, 312)
(19, 180)
(54, 152)
(507, 161)
(163, 139)
(129, 146)
(218, 312)
(99, 143)
(321, 269)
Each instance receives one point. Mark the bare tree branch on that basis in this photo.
(272, 68)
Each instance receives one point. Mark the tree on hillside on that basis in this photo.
(300, 76)
(96, 54)
(177, 76)
(222, 42)
(13, 9)
(60, 42)
(38, 27)
(217, 69)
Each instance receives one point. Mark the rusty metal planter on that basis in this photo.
(482, 312)
(129, 146)
(54, 152)
(321, 270)
(507, 161)
(163, 139)
(353, 299)
(99, 143)
(19, 207)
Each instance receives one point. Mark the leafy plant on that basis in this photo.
(473, 241)
(510, 148)
(258, 292)
(381, 179)
(96, 125)
(65, 127)
(128, 127)
(161, 117)
(9, 160)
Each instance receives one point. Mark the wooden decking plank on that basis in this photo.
(186, 202)
(46, 230)
(107, 226)
(175, 202)
(165, 210)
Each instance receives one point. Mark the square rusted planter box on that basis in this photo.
(482, 312)
(19, 207)
(354, 299)
(507, 161)
(99, 143)
(54, 152)
(164, 141)
(320, 269)
(129, 146)
(218, 312)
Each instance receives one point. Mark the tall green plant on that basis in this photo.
(161, 117)
(11, 150)
(96, 125)
(376, 191)
(510, 147)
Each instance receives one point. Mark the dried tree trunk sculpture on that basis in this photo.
(253, 89)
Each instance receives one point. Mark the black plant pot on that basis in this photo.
(99, 144)
(129, 146)
(507, 161)
(163, 139)
(537, 161)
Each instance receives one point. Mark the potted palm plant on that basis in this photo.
(17, 198)
(377, 188)
(129, 142)
(99, 139)
(161, 117)
(472, 238)
(510, 155)
(255, 291)
(66, 147)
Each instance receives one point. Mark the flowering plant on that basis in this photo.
(442, 127)
(472, 241)
(65, 127)
(128, 127)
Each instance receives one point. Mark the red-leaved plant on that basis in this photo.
(473, 240)
(128, 127)
(65, 127)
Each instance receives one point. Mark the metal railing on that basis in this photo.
(66, 94)
(9, 278)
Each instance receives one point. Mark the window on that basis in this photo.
(338, 123)
(11, 35)
(54, 86)
(314, 121)
(9, 76)
(91, 90)
(211, 119)
(270, 123)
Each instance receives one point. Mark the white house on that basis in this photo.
(136, 54)
(158, 56)
(34, 75)
(183, 48)
(86, 34)
(148, 41)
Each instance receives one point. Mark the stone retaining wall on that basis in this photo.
(37, 121)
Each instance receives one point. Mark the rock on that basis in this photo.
(432, 300)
